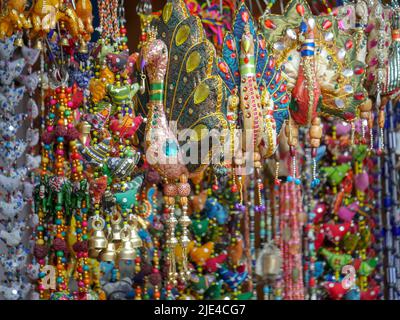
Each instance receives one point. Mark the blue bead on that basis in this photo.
(86, 267)
(60, 139)
(59, 279)
(42, 274)
(303, 27)
(289, 179)
(297, 181)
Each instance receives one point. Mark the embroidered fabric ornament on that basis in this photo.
(30, 55)
(10, 97)
(10, 209)
(12, 181)
(216, 210)
(10, 151)
(123, 167)
(232, 279)
(336, 260)
(247, 62)
(32, 108)
(10, 125)
(199, 227)
(33, 162)
(30, 81)
(335, 290)
(7, 48)
(12, 238)
(213, 264)
(97, 154)
(336, 174)
(9, 71)
(201, 254)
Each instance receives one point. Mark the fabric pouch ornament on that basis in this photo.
(10, 126)
(336, 232)
(7, 48)
(213, 264)
(346, 213)
(9, 209)
(335, 290)
(215, 210)
(10, 97)
(336, 260)
(336, 174)
(32, 137)
(128, 199)
(232, 279)
(30, 81)
(33, 162)
(30, 55)
(11, 71)
(200, 255)
(12, 181)
(361, 181)
(123, 167)
(350, 241)
(199, 227)
(10, 151)
(33, 109)
(13, 238)
(97, 154)
(123, 94)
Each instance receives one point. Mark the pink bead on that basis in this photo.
(81, 284)
(70, 104)
(60, 152)
(41, 287)
(73, 170)
(84, 224)
(70, 125)
(42, 262)
(50, 128)
(53, 102)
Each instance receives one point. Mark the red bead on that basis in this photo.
(326, 24)
(300, 9)
(246, 60)
(234, 188)
(215, 187)
(269, 24)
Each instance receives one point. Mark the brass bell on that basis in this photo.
(110, 253)
(64, 42)
(127, 252)
(19, 42)
(39, 44)
(85, 132)
(135, 238)
(116, 228)
(83, 48)
(98, 241)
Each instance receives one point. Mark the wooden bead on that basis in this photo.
(315, 143)
(381, 118)
(315, 132)
(316, 121)
(365, 115)
(366, 106)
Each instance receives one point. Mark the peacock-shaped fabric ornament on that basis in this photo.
(185, 92)
(320, 62)
(250, 71)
